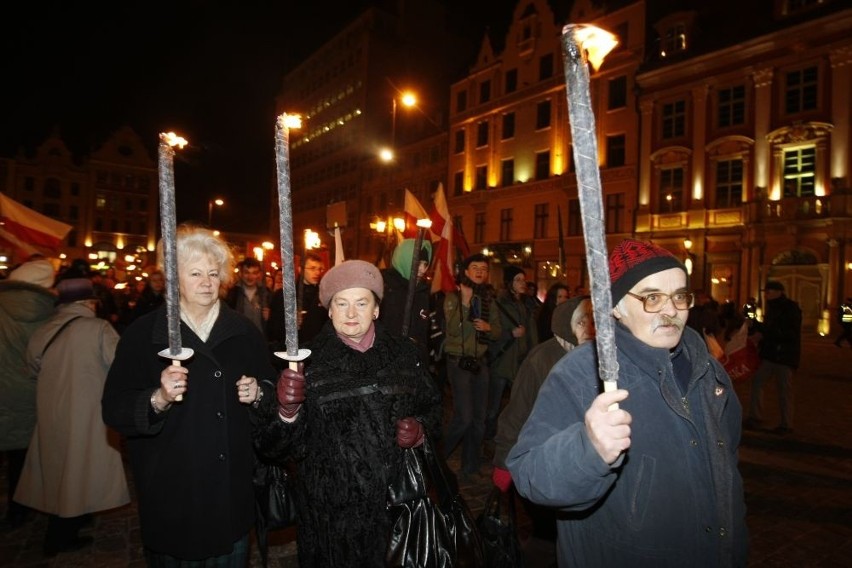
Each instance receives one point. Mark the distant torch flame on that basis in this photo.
(291, 120)
(173, 139)
(596, 42)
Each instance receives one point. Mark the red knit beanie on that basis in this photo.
(631, 261)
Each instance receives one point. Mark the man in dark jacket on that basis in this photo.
(780, 336)
(652, 482)
(312, 314)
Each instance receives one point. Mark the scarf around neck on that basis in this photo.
(366, 341)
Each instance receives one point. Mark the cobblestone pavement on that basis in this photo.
(798, 487)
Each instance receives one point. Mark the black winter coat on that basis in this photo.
(392, 311)
(192, 464)
(344, 443)
(782, 332)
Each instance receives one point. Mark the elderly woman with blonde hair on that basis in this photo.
(192, 459)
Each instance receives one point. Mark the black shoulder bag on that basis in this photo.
(434, 531)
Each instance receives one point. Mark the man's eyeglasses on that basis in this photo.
(654, 302)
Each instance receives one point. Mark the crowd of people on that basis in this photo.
(645, 474)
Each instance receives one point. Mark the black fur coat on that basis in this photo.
(344, 443)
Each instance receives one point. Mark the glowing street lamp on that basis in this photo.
(408, 99)
(210, 203)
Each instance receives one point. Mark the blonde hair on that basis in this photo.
(194, 242)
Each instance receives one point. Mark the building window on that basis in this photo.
(671, 190)
(731, 106)
(52, 188)
(479, 228)
(51, 209)
(484, 92)
(617, 93)
(542, 115)
(100, 201)
(482, 134)
(461, 101)
(674, 119)
(793, 7)
(75, 189)
(511, 81)
(615, 213)
(459, 145)
(481, 177)
(621, 31)
(799, 172)
(542, 215)
(542, 165)
(73, 212)
(729, 183)
(29, 183)
(507, 172)
(800, 90)
(545, 67)
(505, 225)
(575, 225)
(674, 40)
(508, 126)
(615, 151)
(458, 183)
(143, 205)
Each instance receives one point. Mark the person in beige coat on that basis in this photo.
(71, 469)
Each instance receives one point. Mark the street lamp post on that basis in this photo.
(408, 99)
(210, 203)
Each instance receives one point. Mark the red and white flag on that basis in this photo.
(28, 231)
(450, 239)
(413, 212)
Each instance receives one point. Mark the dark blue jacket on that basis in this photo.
(675, 498)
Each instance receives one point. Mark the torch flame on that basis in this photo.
(173, 139)
(596, 42)
(291, 120)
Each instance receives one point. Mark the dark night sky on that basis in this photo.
(207, 72)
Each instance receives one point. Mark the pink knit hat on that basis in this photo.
(350, 274)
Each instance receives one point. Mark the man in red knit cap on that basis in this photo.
(653, 482)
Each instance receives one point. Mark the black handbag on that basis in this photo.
(432, 526)
(499, 534)
(275, 503)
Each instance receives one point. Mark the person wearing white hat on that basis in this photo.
(26, 303)
(71, 470)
